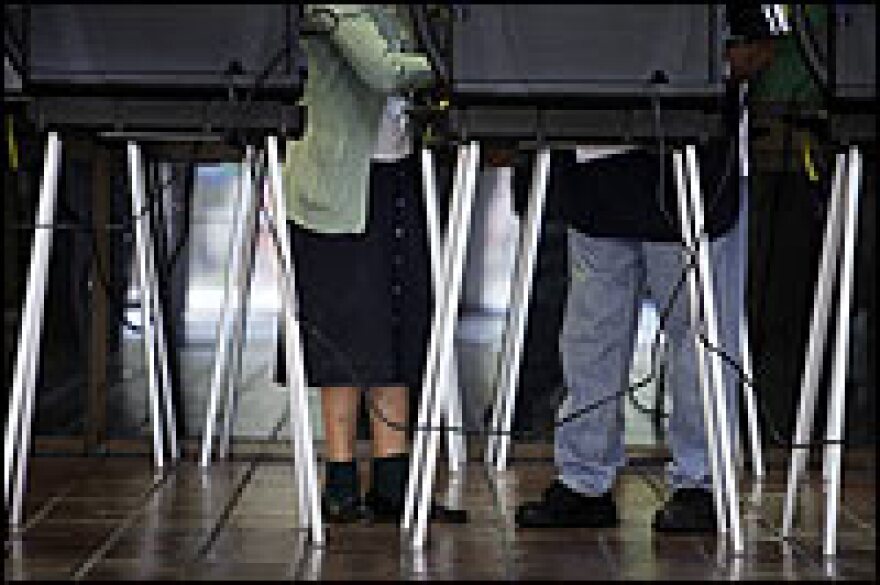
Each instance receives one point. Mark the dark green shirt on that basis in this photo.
(787, 79)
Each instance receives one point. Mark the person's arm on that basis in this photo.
(357, 37)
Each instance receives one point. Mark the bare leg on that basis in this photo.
(389, 470)
(339, 409)
(393, 404)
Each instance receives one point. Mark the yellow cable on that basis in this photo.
(812, 173)
(13, 148)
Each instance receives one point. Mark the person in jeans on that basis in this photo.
(609, 274)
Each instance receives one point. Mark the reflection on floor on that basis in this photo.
(114, 518)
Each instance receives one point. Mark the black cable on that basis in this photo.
(349, 364)
(776, 435)
(357, 376)
(655, 413)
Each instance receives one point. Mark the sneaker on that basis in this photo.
(562, 507)
(689, 510)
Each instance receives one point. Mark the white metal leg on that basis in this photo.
(742, 270)
(429, 376)
(141, 230)
(709, 308)
(27, 415)
(750, 403)
(526, 258)
(221, 360)
(288, 308)
(24, 447)
(226, 430)
(24, 380)
(505, 355)
(702, 366)
(161, 344)
(454, 269)
(303, 494)
(837, 399)
(242, 291)
(456, 442)
(816, 344)
(233, 374)
(296, 379)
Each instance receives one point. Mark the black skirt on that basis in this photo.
(365, 299)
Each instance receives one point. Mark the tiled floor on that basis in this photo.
(113, 518)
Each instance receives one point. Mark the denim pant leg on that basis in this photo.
(596, 345)
(687, 435)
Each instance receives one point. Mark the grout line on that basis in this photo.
(862, 524)
(235, 498)
(40, 514)
(120, 529)
(226, 513)
(44, 510)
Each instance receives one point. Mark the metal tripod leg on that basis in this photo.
(454, 271)
(20, 417)
(288, 311)
(161, 344)
(142, 256)
(816, 344)
(225, 436)
(221, 359)
(431, 366)
(742, 270)
(505, 356)
(455, 441)
(709, 308)
(525, 275)
(296, 379)
(710, 424)
(242, 290)
(837, 398)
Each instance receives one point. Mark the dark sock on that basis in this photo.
(389, 477)
(341, 480)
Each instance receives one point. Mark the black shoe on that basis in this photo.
(381, 509)
(341, 510)
(562, 507)
(689, 510)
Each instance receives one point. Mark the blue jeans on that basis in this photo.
(608, 277)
